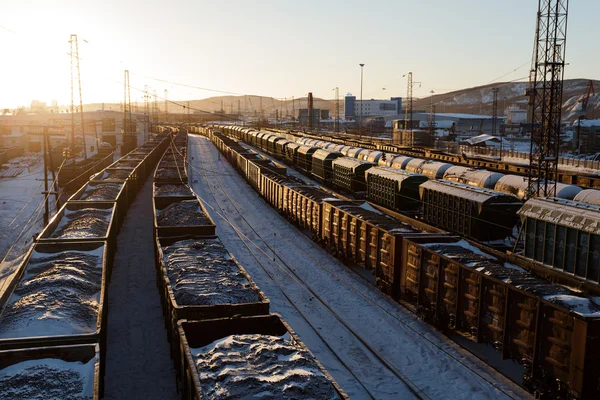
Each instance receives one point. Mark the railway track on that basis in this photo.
(418, 384)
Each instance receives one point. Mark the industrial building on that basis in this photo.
(465, 124)
(371, 108)
(24, 130)
(317, 115)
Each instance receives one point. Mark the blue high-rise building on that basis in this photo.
(349, 102)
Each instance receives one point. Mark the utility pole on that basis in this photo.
(155, 107)
(431, 115)
(293, 109)
(361, 100)
(74, 48)
(495, 115)
(545, 96)
(310, 111)
(48, 165)
(146, 112)
(337, 109)
(166, 106)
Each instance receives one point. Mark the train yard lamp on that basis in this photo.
(361, 100)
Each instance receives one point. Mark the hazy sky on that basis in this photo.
(276, 48)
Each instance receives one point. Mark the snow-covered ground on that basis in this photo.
(21, 217)
(372, 346)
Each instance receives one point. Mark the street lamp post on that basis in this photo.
(361, 100)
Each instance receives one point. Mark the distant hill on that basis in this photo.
(478, 100)
(475, 100)
(229, 104)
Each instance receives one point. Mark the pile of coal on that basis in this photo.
(47, 379)
(58, 295)
(81, 224)
(202, 272)
(101, 192)
(182, 213)
(170, 190)
(260, 366)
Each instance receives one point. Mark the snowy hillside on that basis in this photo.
(479, 99)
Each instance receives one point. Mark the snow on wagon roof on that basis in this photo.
(477, 194)
(473, 257)
(349, 162)
(581, 216)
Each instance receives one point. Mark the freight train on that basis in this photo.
(457, 285)
(484, 210)
(480, 204)
(207, 296)
(579, 178)
(56, 305)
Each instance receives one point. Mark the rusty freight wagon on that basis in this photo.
(272, 187)
(256, 165)
(302, 206)
(553, 331)
(364, 236)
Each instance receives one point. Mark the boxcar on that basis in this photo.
(322, 164)
(564, 235)
(304, 157)
(280, 146)
(394, 188)
(551, 330)
(349, 174)
(476, 213)
(291, 153)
